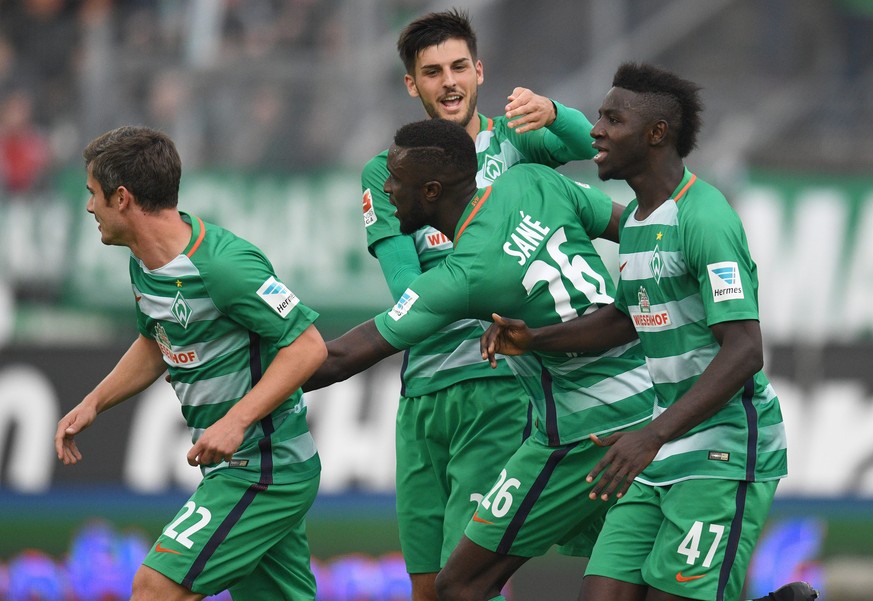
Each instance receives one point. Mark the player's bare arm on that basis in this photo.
(528, 111)
(291, 367)
(612, 228)
(350, 354)
(740, 357)
(137, 369)
(605, 328)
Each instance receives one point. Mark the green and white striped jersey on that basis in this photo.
(452, 355)
(219, 314)
(523, 249)
(683, 269)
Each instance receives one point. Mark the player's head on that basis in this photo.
(647, 108)
(141, 160)
(428, 159)
(443, 70)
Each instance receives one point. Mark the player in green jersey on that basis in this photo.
(447, 392)
(523, 243)
(238, 344)
(695, 485)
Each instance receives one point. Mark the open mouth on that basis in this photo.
(452, 101)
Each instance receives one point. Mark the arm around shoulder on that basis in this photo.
(353, 352)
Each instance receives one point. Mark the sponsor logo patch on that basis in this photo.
(403, 305)
(181, 310)
(277, 295)
(643, 297)
(719, 456)
(433, 238)
(238, 463)
(643, 321)
(180, 357)
(369, 212)
(724, 278)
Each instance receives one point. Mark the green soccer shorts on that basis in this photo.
(541, 499)
(233, 534)
(693, 539)
(449, 445)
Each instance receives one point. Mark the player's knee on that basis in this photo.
(150, 585)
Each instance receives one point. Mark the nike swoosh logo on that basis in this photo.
(138, 298)
(476, 518)
(622, 266)
(160, 549)
(681, 578)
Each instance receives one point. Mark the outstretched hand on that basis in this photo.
(504, 336)
(527, 111)
(628, 455)
(71, 424)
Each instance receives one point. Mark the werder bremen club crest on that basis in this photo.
(181, 310)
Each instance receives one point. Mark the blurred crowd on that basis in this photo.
(278, 85)
(233, 81)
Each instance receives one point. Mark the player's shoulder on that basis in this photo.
(703, 202)
(376, 165)
(377, 162)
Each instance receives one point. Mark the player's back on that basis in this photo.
(525, 244)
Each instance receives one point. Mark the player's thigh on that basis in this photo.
(627, 536)
(487, 418)
(421, 488)
(539, 499)
(282, 573)
(708, 536)
(227, 525)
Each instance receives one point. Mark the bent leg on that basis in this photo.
(473, 573)
(151, 585)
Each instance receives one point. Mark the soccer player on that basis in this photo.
(457, 420)
(523, 243)
(694, 485)
(238, 344)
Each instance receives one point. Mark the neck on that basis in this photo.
(473, 125)
(160, 237)
(655, 186)
(448, 218)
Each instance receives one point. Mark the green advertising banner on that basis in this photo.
(806, 234)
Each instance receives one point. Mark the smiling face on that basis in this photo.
(447, 79)
(620, 136)
(405, 191)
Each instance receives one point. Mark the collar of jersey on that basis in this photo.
(198, 231)
(688, 180)
(471, 210)
(485, 123)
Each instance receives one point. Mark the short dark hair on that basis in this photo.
(431, 30)
(441, 144)
(141, 159)
(668, 97)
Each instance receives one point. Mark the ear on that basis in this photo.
(658, 133)
(410, 85)
(125, 198)
(433, 191)
(480, 72)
